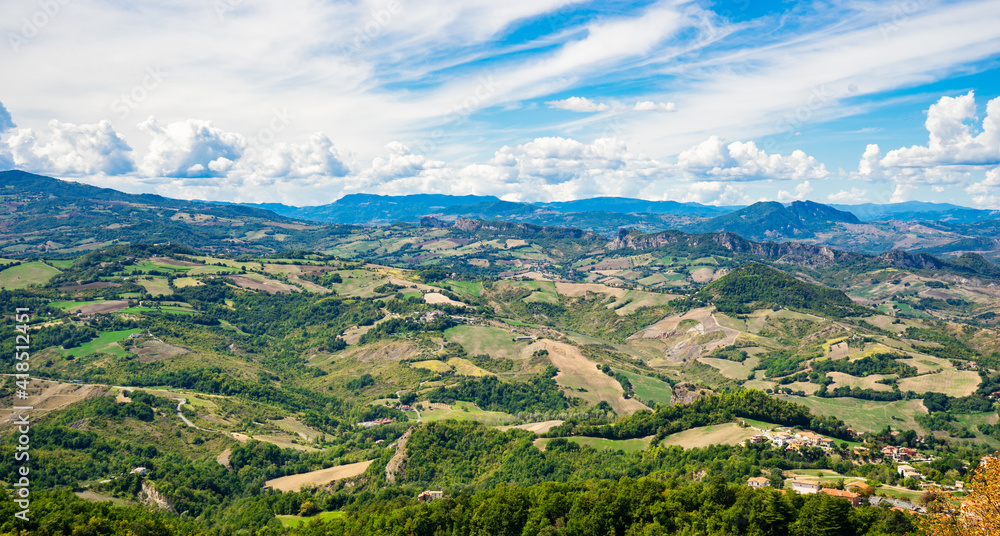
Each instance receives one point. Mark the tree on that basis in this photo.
(978, 513)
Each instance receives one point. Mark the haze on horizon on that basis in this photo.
(304, 101)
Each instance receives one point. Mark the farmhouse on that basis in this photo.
(429, 495)
(758, 482)
(853, 497)
(805, 487)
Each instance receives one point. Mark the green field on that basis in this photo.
(27, 274)
(464, 411)
(650, 391)
(598, 443)
(867, 415)
(295, 521)
(105, 343)
(477, 340)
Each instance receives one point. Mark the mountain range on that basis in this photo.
(36, 209)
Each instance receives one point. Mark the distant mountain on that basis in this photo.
(918, 211)
(770, 220)
(45, 216)
(370, 209)
(632, 206)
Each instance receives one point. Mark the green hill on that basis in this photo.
(755, 286)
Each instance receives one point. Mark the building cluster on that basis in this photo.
(901, 454)
(376, 422)
(809, 487)
(795, 440)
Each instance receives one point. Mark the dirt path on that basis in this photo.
(576, 371)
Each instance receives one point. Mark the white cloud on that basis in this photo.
(902, 193)
(802, 190)
(70, 149)
(317, 157)
(650, 106)
(578, 104)
(951, 141)
(986, 193)
(743, 161)
(191, 149)
(855, 195)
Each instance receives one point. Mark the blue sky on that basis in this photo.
(304, 101)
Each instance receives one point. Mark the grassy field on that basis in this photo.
(465, 368)
(27, 274)
(157, 286)
(295, 521)
(598, 443)
(105, 343)
(719, 434)
(477, 340)
(867, 415)
(732, 369)
(463, 411)
(432, 365)
(650, 390)
(950, 382)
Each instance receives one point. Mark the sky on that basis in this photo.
(304, 101)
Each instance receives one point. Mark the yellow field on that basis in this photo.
(318, 478)
(719, 434)
(950, 382)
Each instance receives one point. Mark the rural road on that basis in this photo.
(181, 402)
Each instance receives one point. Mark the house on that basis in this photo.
(907, 471)
(135, 336)
(429, 495)
(853, 497)
(758, 482)
(861, 451)
(805, 487)
(825, 442)
(907, 453)
(781, 439)
(759, 438)
(141, 471)
(889, 452)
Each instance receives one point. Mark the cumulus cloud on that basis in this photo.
(650, 106)
(6, 121)
(190, 149)
(855, 195)
(986, 193)
(579, 104)
(70, 149)
(951, 141)
(316, 157)
(743, 161)
(802, 190)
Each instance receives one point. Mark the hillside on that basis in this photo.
(774, 221)
(41, 215)
(756, 286)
